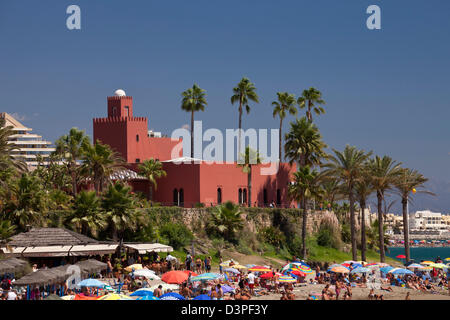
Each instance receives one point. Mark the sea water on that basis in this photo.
(420, 253)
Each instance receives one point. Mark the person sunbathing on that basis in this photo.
(284, 296)
(245, 295)
(386, 288)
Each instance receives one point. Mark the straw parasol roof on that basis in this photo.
(12, 265)
(38, 237)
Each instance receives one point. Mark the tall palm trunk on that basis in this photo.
(280, 139)
(240, 127)
(192, 134)
(74, 179)
(249, 185)
(362, 203)
(352, 225)
(309, 111)
(380, 225)
(406, 227)
(305, 217)
(150, 192)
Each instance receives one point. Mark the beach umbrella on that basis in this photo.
(249, 265)
(438, 266)
(360, 270)
(297, 273)
(386, 269)
(267, 275)
(334, 265)
(53, 297)
(192, 273)
(152, 297)
(227, 263)
(305, 269)
(172, 296)
(232, 270)
(400, 271)
(238, 266)
(340, 269)
(174, 277)
(401, 256)
(226, 288)
(427, 262)
(91, 283)
(115, 296)
(447, 259)
(136, 266)
(414, 266)
(165, 286)
(286, 279)
(259, 269)
(202, 297)
(206, 277)
(83, 297)
(69, 297)
(382, 264)
(142, 292)
(146, 273)
(373, 264)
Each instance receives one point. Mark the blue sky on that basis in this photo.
(386, 90)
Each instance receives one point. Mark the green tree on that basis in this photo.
(152, 169)
(384, 173)
(177, 235)
(348, 167)
(99, 163)
(88, 216)
(121, 214)
(226, 218)
(7, 230)
(284, 105)
(70, 148)
(244, 92)
(311, 99)
(194, 99)
(409, 181)
(304, 187)
(247, 161)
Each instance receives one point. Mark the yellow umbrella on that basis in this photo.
(340, 270)
(238, 266)
(136, 266)
(447, 259)
(427, 262)
(438, 265)
(115, 296)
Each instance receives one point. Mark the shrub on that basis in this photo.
(325, 238)
(177, 235)
(272, 236)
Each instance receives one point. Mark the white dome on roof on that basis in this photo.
(119, 93)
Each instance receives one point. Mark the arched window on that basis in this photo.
(219, 195)
(175, 197)
(244, 198)
(181, 195)
(278, 197)
(240, 196)
(137, 138)
(265, 201)
(127, 111)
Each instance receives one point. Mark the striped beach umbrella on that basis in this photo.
(260, 269)
(340, 269)
(305, 269)
(115, 296)
(360, 270)
(206, 277)
(400, 271)
(286, 279)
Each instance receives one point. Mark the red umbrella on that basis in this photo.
(267, 275)
(298, 273)
(174, 277)
(401, 256)
(193, 274)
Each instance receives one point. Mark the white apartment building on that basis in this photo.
(28, 145)
(427, 220)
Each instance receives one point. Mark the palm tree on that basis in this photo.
(348, 166)
(363, 190)
(6, 159)
(152, 169)
(311, 99)
(284, 105)
(250, 158)
(304, 187)
(304, 144)
(99, 163)
(7, 229)
(409, 181)
(226, 218)
(70, 148)
(194, 99)
(384, 173)
(244, 92)
(88, 216)
(121, 214)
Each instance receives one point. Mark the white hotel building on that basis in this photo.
(427, 220)
(28, 145)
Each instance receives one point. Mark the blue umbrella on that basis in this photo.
(148, 298)
(202, 297)
(206, 277)
(142, 293)
(386, 269)
(232, 270)
(356, 265)
(360, 270)
(401, 271)
(172, 296)
(91, 283)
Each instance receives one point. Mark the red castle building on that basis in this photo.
(187, 183)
